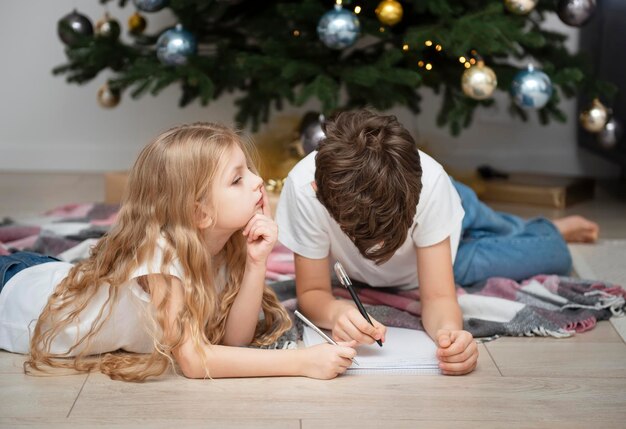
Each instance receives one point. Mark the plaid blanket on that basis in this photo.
(543, 305)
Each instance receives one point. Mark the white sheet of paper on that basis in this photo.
(405, 351)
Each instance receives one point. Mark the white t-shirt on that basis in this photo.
(25, 295)
(306, 227)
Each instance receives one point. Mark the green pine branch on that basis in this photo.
(269, 53)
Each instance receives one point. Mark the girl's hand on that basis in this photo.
(261, 232)
(457, 352)
(351, 325)
(326, 361)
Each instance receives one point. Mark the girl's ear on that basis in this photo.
(204, 219)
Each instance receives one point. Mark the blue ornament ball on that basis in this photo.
(150, 5)
(531, 88)
(175, 45)
(338, 28)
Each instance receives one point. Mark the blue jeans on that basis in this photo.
(12, 264)
(495, 244)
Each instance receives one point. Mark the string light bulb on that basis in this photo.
(438, 47)
(429, 66)
(357, 9)
(405, 47)
(428, 43)
(462, 60)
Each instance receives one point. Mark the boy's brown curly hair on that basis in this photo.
(368, 176)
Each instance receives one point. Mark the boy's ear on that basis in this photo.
(203, 216)
(314, 186)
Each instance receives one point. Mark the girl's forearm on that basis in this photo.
(225, 361)
(244, 313)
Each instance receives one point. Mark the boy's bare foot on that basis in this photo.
(577, 229)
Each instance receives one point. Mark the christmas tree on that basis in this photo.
(359, 53)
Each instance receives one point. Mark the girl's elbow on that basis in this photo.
(190, 364)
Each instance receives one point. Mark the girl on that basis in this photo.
(180, 277)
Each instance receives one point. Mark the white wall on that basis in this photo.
(48, 125)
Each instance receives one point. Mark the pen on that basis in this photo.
(319, 331)
(345, 281)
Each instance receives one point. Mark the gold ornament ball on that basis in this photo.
(594, 119)
(107, 97)
(479, 82)
(136, 23)
(389, 12)
(108, 27)
(520, 7)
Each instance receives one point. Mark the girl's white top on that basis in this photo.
(129, 326)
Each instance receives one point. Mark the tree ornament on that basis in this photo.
(479, 82)
(576, 12)
(108, 27)
(520, 7)
(107, 97)
(594, 119)
(150, 5)
(610, 134)
(74, 26)
(389, 12)
(531, 89)
(311, 131)
(338, 28)
(136, 23)
(175, 45)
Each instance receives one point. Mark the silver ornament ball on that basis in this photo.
(175, 45)
(311, 131)
(576, 12)
(338, 28)
(73, 26)
(531, 89)
(610, 134)
(150, 5)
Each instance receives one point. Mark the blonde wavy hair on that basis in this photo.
(171, 176)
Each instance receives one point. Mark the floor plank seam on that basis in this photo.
(493, 360)
(616, 331)
(77, 396)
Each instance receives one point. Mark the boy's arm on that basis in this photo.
(441, 314)
(314, 292)
(440, 309)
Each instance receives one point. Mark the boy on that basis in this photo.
(392, 216)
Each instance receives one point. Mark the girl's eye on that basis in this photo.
(237, 180)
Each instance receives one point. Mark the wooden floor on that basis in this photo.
(577, 382)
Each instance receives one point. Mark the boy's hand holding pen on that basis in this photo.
(355, 323)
